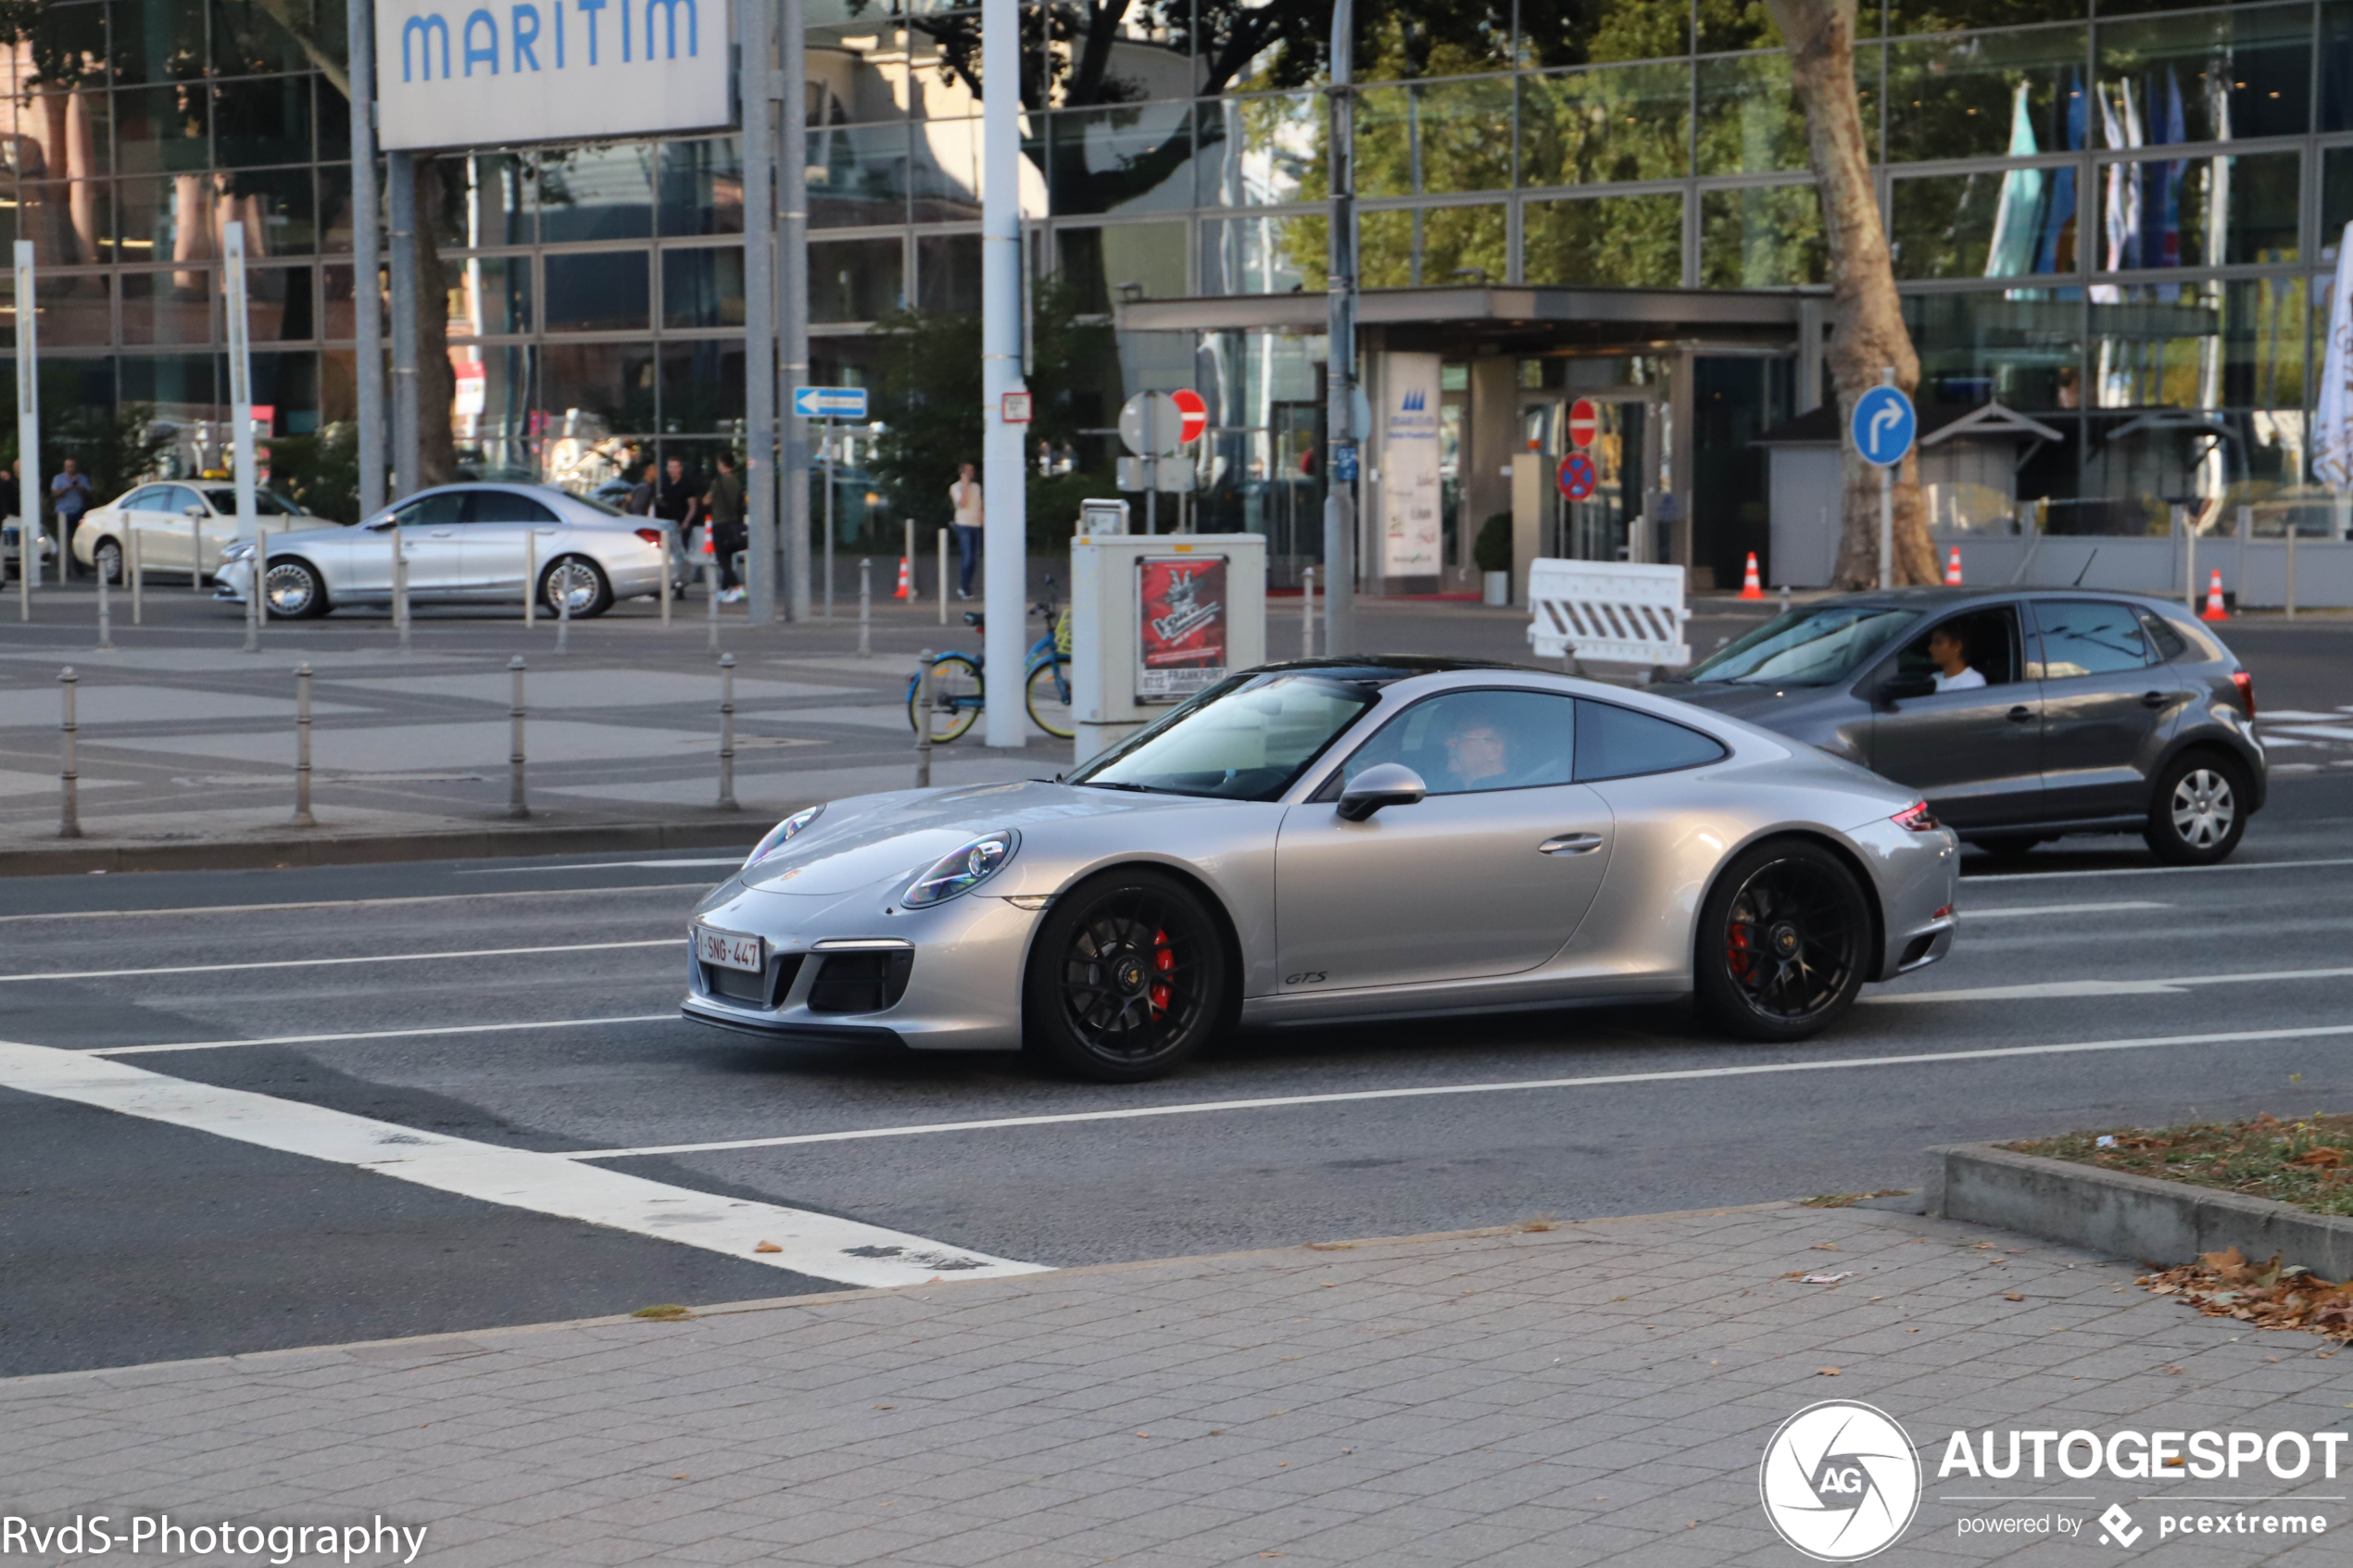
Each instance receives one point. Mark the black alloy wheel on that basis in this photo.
(1784, 942)
(1127, 978)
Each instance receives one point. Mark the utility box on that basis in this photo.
(1154, 618)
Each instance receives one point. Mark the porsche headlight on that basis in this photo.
(781, 835)
(963, 870)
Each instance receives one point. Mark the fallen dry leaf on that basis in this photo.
(1825, 1372)
(2225, 1285)
(2012, 1296)
(1826, 1246)
(767, 1246)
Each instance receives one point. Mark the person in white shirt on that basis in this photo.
(964, 494)
(1951, 658)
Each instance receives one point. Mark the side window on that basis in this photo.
(1464, 743)
(2170, 643)
(180, 498)
(147, 500)
(1984, 642)
(1617, 743)
(440, 509)
(504, 506)
(2087, 638)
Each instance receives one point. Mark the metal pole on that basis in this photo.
(664, 596)
(233, 282)
(1886, 507)
(302, 817)
(400, 170)
(1307, 613)
(1339, 399)
(711, 599)
(727, 732)
(515, 804)
(943, 577)
(138, 575)
(827, 437)
(1150, 464)
(29, 534)
(2189, 555)
(2290, 565)
(758, 93)
(367, 260)
(69, 778)
(865, 607)
(530, 578)
(910, 559)
(105, 616)
(399, 590)
(1004, 523)
(792, 292)
(923, 719)
(563, 614)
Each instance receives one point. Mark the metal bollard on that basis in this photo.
(912, 596)
(69, 777)
(865, 607)
(400, 594)
(515, 804)
(563, 613)
(664, 596)
(106, 612)
(710, 597)
(26, 549)
(257, 585)
(138, 578)
(727, 732)
(1307, 613)
(530, 578)
(1784, 598)
(302, 817)
(923, 721)
(943, 577)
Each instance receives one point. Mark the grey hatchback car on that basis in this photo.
(2021, 714)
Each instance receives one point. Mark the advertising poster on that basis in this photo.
(1413, 525)
(1181, 603)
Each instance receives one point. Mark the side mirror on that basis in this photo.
(1895, 688)
(1384, 784)
(195, 511)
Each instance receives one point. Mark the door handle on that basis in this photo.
(2021, 714)
(2152, 699)
(445, 533)
(1570, 844)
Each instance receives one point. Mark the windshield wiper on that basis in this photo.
(1112, 784)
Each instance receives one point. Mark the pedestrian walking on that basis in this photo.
(725, 504)
(68, 497)
(964, 494)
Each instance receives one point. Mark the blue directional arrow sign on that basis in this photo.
(829, 402)
(1884, 425)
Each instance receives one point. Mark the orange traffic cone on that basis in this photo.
(1751, 587)
(906, 580)
(1953, 568)
(2214, 611)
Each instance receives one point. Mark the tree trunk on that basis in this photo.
(436, 381)
(1868, 334)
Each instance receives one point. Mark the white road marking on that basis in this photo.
(2017, 911)
(821, 1246)
(601, 866)
(386, 1035)
(355, 903)
(2164, 870)
(2276, 715)
(2318, 732)
(2047, 989)
(368, 957)
(1598, 1080)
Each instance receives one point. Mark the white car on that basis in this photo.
(182, 526)
(463, 544)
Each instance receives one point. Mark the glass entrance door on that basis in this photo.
(1627, 430)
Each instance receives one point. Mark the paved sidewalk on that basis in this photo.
(1592, 1392)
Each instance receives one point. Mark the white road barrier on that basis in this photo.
(1619, 612)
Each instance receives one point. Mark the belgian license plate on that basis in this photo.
(729, 950)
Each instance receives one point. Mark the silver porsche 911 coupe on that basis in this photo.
(1333, 840)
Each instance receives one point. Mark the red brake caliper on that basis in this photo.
(1737, 953)
(1163, 960)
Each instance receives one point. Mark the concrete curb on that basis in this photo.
(2126, 1216)
(482, 843)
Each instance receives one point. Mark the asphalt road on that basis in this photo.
(2089, 987)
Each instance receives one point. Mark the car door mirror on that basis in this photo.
(1383, 783)
(195, 511)
(1895, 688)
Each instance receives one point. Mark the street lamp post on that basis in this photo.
(1339, 402)
(1004, 518)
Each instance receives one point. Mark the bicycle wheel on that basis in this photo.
(1047, 695)
(956, 697)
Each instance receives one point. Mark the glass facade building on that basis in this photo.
(2118, 219)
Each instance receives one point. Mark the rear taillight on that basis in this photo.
(1915, 817)
(650, 535)
(2245, 684)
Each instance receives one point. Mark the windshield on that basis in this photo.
(264, 502)
(1804, 647)
(1245, 739)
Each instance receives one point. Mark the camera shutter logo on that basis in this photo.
(1840, 1481)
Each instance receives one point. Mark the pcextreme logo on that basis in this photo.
(1840, 1481)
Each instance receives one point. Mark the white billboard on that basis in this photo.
(451, 74)
(1412, 523)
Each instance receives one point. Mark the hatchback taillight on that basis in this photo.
(650, 535)
(1915, 817)
(2245, 684)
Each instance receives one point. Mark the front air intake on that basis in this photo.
(860, 982)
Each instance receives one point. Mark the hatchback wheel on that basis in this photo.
(1127, 978)
(1784, 940)
(2198, 812)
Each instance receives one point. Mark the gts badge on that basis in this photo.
(1305, 977)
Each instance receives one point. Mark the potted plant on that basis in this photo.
(1491, 553)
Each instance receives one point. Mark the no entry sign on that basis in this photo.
(1576, 476)
(1584, 422)
(1194, 412)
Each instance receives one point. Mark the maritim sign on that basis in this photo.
(450, 73)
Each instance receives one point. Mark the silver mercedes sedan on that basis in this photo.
(462, 544)
(1336, 840)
